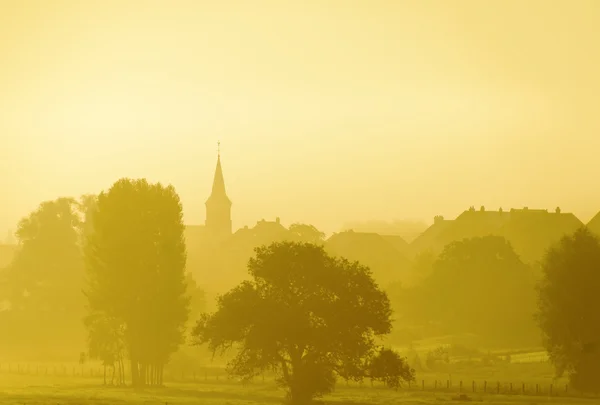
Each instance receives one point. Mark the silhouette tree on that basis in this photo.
(88, 204)
(480, 286)
(423, 265)
(197, 298)
(309, 316)
(568, 308)
(49, 264)
(387, 366)
(136, 258)
(307, 233)
(106, 343)
(44, 281)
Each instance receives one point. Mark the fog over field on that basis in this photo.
(288, 202)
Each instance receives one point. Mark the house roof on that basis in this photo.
(431, 238)
(530, 231)
(594, 224)
(378, 252)
(398, 242)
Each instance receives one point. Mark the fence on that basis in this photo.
(218, 375)
(98, 372)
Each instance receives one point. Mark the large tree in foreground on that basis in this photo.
(308, 316)
(135, 256)
(568, 308)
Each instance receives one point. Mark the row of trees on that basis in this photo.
(117, 261)
(481, 286)
(306, 315)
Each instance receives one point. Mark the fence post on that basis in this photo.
(473, 385)
(566, 388)
(447, 384)
(511, 388)
(460, 387)
(423, 384)
(550, 389)
(485, 386)
(537, 389)
(523, 388)
(435, 385)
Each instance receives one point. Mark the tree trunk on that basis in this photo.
(135, 373)
(119, 367)
(104, 373)
(299, 393)
(112, 378)
(143, 374)
(123, 371)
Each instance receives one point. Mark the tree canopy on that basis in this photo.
(307, 233)
(568, 308)
(136, 258)
(304, 314)
(478, 286)
(42, 286)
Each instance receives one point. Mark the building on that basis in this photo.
(530, 231)
(218, 206)
(217, 225)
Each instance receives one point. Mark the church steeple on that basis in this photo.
(218, 205)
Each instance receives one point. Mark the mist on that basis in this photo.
(298, 202)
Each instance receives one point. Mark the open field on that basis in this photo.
(69, 390)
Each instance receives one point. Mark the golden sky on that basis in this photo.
(327, 111)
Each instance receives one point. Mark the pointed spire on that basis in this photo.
(218, 188)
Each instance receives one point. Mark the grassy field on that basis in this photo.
(38, 390)
(525, 380)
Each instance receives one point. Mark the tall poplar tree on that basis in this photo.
(135, 259)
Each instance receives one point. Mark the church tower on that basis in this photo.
(218, 205)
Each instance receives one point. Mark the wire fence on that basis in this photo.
(218, 375)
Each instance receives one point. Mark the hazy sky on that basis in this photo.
(327, 111)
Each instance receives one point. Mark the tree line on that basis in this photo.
(117, 261)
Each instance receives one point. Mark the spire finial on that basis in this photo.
(219, 149)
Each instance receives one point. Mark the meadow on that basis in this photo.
(31, 385)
